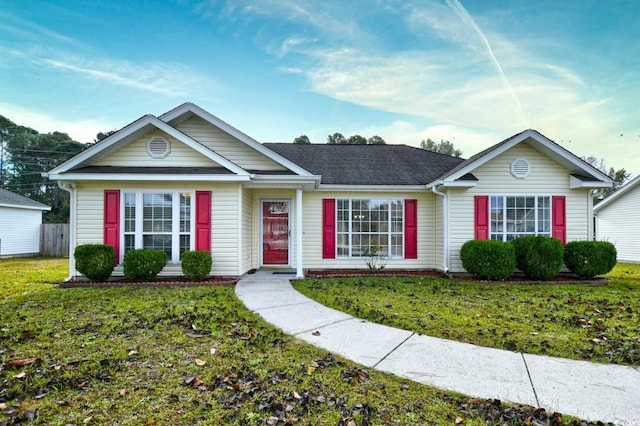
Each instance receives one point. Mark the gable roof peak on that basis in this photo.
(538, 141)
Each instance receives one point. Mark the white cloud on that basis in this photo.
(166, 79)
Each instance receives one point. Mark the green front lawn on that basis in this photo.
(596, 322)
(183, 356)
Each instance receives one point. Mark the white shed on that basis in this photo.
(617, 221)
(20, 221)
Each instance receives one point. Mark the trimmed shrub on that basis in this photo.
(539, 257)
(95, 261)
(588, 259)
(143, 264)
(196, 264)
(488, 259)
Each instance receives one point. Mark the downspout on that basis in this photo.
(445, 228)
(71, 187)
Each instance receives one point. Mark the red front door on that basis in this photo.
(275, 232)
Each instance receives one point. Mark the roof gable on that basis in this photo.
(228, 146)
(131, 133)
(584, 175)
(136, 154)
(343, 164)
(186, 111)
(11, 199)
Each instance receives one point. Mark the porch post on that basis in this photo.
(299, 272)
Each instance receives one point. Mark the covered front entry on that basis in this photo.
(275, 232)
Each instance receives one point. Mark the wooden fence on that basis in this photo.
(54, 239)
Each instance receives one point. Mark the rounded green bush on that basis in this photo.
(488, 259)
(95, 261)
(143, 264)
(196, 264)
(539, 257)
(588, 259)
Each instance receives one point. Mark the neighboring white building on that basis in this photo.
(20, 221)
(617, 221)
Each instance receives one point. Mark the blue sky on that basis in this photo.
(472, 72)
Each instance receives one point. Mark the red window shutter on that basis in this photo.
(328, 228)
(203, 220)
(410, 229)
(112, 220)
(558, 221)
(482, 217)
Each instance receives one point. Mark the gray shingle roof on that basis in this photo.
(368, 164)
(10, 198)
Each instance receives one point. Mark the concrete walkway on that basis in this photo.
(590, 391)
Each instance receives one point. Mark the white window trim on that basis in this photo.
(175, 219)
(390, 233)
(504, 207)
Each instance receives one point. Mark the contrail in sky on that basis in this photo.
(467, 18)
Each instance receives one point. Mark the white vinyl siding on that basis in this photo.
(19, 231)
(135, 155)
(618, 224)
(225, 226)
(547, 178)
(225, 145)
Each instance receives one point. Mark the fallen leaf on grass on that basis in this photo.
(200, 362)
(459, 420)
(195, 336)
(3, 406)
(122, 392)
(212, 351)
(20, 362)
(20, 375)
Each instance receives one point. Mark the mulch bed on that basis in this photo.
(560, 279)
(159, 282)
(340, 273)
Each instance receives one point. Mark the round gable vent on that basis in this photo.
(158, 147)
(520, 168)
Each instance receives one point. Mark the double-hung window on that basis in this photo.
(364, 224)
(159, 221)
(517, 216)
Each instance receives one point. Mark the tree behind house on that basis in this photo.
(28, 154)
(443, 147)
(619, 177)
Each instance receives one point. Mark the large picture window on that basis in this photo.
(159, 221)
(364, 224)
(517, 216)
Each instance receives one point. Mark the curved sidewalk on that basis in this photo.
(590, 391)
